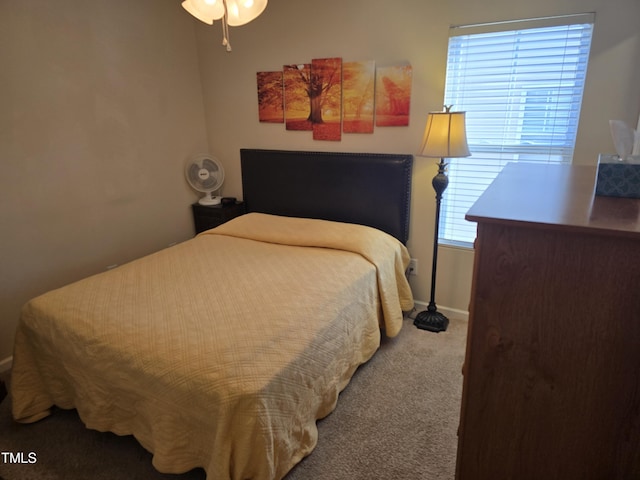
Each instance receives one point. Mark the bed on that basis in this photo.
(223, 351)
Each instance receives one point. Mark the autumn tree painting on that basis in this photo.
(297, 110)
(393, 95)
(329, 97)
(325, 93)
(358, 86)
(270, 97)
(313, 96)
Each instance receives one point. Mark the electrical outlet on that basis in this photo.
(413, 266)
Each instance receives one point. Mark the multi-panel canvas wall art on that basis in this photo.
(358, 87)
(297, 110)
(325, 93)
(270, 97)
(393, 96)
(329, 97)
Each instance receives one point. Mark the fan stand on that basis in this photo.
(209, 199)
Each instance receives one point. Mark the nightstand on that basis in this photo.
(211, 216)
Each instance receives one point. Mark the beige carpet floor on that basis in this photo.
(397, 419)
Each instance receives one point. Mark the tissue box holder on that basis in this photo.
(617, 178)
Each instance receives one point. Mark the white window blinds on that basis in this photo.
(521, 85)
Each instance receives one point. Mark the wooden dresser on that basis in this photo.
(552, 371)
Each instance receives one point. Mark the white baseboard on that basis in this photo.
(447, 311)
(5, 365)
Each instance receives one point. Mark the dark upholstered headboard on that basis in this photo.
(371, 189)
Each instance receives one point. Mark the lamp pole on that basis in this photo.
(430, 319)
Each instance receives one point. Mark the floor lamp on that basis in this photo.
(444, 137)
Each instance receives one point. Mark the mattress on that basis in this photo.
(220, 352)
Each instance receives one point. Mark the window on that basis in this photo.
(521, 85)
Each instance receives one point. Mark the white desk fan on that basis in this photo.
(205, 174)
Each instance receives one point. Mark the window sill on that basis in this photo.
(465, 246)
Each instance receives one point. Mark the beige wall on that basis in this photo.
(100, 103)
(295, 31)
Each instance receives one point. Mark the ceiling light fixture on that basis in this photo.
(232, 13)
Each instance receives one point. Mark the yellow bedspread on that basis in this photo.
(389, 256)
(220, 352)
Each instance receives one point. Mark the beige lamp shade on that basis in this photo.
(445, 135)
